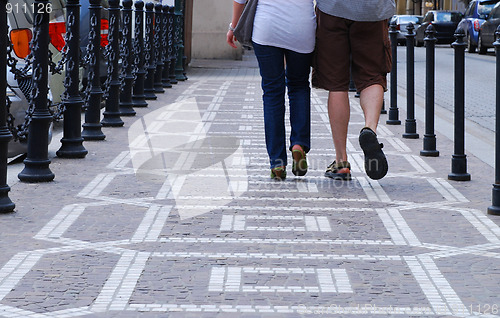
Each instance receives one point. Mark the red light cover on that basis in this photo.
(104, 32)
(56, 33)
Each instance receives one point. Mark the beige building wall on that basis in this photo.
(210, 24)
(401, 7)
(421, 7)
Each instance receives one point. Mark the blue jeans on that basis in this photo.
(275, 78)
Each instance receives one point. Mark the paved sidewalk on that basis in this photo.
(175, 215)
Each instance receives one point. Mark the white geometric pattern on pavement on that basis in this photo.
(174, 131)
(228, 279)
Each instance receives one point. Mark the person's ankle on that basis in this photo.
(374, 129)
(341, 159)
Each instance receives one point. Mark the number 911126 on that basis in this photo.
(38, 8)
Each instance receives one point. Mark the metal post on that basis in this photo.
(149, 49)
(126, 105)
(429, 136)
(138, 97)
(459, 159)
(172, 45)
(164, 54)
(158, 43)
(92, 126)
(494, 209)
(184, 57)
(410, 123)
(72, 141)
(393, 109)
(6, 205)
(184, 66)
(352, 87)
(112, 112)
(179, 40)
(36, 164)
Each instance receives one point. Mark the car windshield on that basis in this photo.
(409, 19)
(483, 9)
(448, 16)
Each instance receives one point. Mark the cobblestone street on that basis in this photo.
(175, 215)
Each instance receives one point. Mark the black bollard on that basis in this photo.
(393, 109)
(164, 54)
(72, 141)
(6, 205)
(179, 40)
(172, 45)
(494, 209)
(149, 53)
(410, 123)
(36, 164)
(429, 136)
(459, 159)
(184, 57)
(112, 112)
(383, 110)
(92, 126)
(138, 97)
(184, 66)
(126, 105)
(352, 85)
(158, 44)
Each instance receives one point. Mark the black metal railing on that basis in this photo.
(148, 62)
(459, 157)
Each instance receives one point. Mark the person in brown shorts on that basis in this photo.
(344, 45)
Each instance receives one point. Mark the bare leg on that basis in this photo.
(376, 165)
(371, 100)
(339, 113)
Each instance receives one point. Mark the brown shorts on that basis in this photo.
(339, 40)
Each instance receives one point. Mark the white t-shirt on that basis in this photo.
(288, 24)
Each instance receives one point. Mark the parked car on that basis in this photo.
(486, 35)
(445, 23)
(476, 13)
(20, 21)
(402, 22)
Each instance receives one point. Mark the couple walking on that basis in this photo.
(336, 38)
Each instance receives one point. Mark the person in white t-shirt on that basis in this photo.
(283, 41)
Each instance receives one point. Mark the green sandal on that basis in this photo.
(278, 173)
(299, 166)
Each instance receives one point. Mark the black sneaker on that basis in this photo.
(339, 171)
(375, 161)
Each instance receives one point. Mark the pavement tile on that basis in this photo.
(174, 215)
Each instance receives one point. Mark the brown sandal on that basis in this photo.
(299, 166)
(339, 171)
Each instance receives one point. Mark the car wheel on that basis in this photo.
(471, 48)
(480, 47)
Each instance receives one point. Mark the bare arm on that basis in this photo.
(237, 10)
